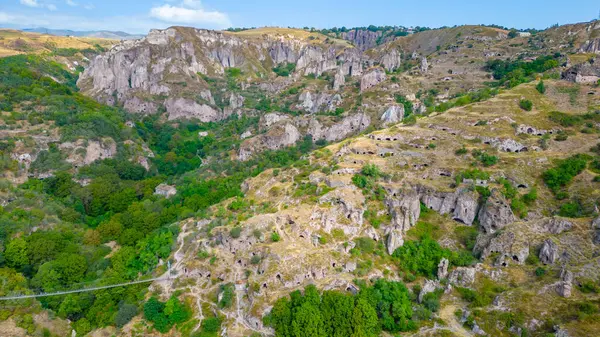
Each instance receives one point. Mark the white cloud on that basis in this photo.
(131, 24)
(190, 12)
(30, 3)
(36, 4)
(71, 3)
(89, 6)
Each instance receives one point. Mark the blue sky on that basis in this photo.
(141, 15)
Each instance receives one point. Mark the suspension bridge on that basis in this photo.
(81, 290)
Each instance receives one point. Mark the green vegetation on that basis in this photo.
(165, 315)
(422, 257)
(483, 296)
(284, 69)
(540, 87)
(512, 73)
(526, 104)
(385, 305)
(471, 174)
(484, 158)
(408, 106)
(465, 99)
(564, 171)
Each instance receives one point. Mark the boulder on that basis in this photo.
(495, 213)
(548, 252)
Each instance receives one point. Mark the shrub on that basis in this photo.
(539, 271)
(125, 314)
(226, 293)
(530, 197)
(540, 87)
(275, 237)
(526, 104)
(571, 209)
(420, 257)
(463, 150)
(284, 69)
(235, 232)
(564, 172)
(564, 119)
(485, 159)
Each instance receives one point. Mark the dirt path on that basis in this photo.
(447, 314)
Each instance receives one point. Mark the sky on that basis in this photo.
(139, 16)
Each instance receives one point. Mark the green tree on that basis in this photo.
(540, 87)
(364, 320)
(308, 321)
(16, 253)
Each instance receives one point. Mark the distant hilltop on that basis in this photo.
(97, 34)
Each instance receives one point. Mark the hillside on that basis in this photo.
(282, 182)
(14, 42)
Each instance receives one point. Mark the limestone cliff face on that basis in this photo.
(363, 39)
(141, 74)
(168, 66)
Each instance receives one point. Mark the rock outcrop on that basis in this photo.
(405, 209)
(462, 203)
(347, 126)
(429, 287)
(462, 276)
(181, 108)
(362, 38)
(424, 65)
(311, 102)
(588, 72)
(558, 225)
(391, 60)
(163, 68)
(278, 137)
(495, 213)
(339, 80)
(395, 240)
(442, 271)
(372, 78)
(549, 252)
(393, 114)
(565, 285)
(509, 246)
(591, 47)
